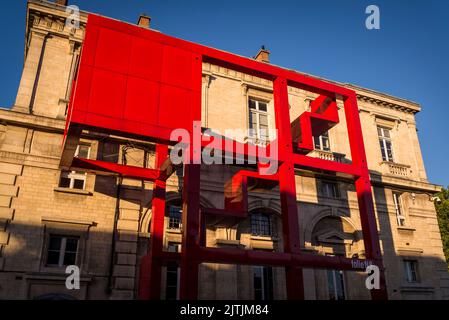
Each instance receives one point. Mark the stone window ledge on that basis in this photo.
(177, 231)
(227, 242)
(73, 191)
(405, 228)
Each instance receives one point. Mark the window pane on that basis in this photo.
(69, 258)
(340, 290)
(389, 150)
(268, 283)
(257, 283)
(325, 140)
(252, 104)
(262, 106)
(175, 216)
(71, 245)
(55, 243)
(382, 150)
(330, 285)
(260, 224)
(78, 184)
(83, 151)
(252, 120)
(263, 120)
(53, 257)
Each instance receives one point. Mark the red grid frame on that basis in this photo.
(139, 69)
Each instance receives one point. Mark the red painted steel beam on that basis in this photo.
(190, 233)
(280, 259)
(103, 167)
(150, 275)
(287, 188)
(322, 164)
(364, 193)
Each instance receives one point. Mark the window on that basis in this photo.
(385, 144)
(62, 250)
(75, 179)
(329, 189)
(175, 216)
(172, 275)
(322, 142)
(335, 285)
(260, 224)
(398, 209)
(411, 270)
(258, 121)
(263, 283)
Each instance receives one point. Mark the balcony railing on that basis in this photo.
(395, 169)
(327, 155)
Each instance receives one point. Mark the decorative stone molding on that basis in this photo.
(395, 169)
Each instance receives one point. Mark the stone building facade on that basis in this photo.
(51, 218)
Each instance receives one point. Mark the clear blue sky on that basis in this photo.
(407, 57)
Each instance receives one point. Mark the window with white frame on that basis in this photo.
(411, 271)
(75, 179)
(400, 217)
(174, 217)
(258, 121)
(321, 142)
(329, 189)
(62, 250)
(386, 147)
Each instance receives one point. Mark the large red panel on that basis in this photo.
(113, 51)
(134, 83)
(107, 95)
(142, 100)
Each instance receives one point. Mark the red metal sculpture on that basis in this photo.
(139, 83)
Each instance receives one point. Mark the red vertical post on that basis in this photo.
(364, 193)
(191, 221)
(287, 188)
(190, 232)
(150, 280)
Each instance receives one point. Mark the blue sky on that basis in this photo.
(407, 57)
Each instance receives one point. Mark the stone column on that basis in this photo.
(28, 82)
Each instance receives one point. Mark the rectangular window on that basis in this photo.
(75, 179)
(322, 142)
(411, 270)
(329, 189)
(62, 250)
(398, 209)
(335, 285)
(263, 283)
(258, 121)
(385, 144)
(260, 224)
(172, 275)
(175, 217)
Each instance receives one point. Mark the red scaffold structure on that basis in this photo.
(139, 83)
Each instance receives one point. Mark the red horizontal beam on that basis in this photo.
(275, 259)
(321, 164)
(105, 168)
(252, 257)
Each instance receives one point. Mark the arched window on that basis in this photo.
(261, 224)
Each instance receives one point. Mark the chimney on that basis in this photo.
(62, 2)
(144, 21)
(263, 55)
